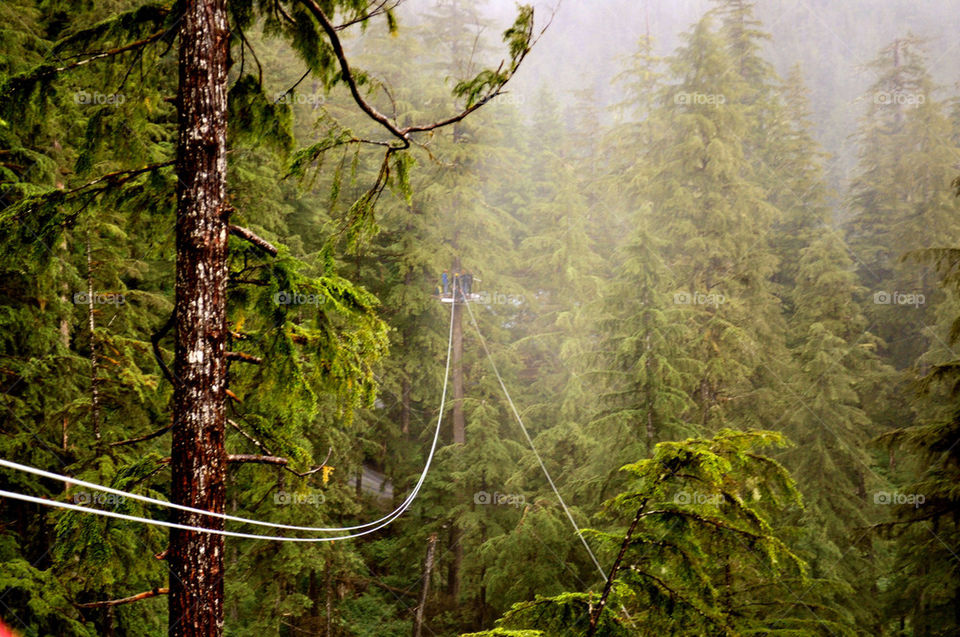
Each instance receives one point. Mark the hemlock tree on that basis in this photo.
(899, 200)
(645, 375)
(716, 222)
(923, 594)
(838, 368)
(206, 32)
(663, 577)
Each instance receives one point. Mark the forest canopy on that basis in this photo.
(458, 318)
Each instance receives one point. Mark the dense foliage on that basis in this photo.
(742, 382)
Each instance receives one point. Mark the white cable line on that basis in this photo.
(530, 441)
(112, 514)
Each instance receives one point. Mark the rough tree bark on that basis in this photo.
(92, 326)
(425, 589)
(198, 461)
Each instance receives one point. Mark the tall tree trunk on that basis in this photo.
(405, 407)
(198, 461)
(456, 560)
(456, 362)
(92, 325)
(459, 428)
(328, 585)
(425, 589)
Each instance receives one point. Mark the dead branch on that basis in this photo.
(149, 436)
(244, 358)
(125, 600)
(259, 445)
(150, 39)
(121, 176)
(256, 459)
(256, 240)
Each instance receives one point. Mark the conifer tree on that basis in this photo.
(923, 594)
(324, 358)
(683, 510)
(899, 200)
(716, 221)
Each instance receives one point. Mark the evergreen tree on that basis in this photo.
(923, 596)
(898, 198)
(716, 222)
(685, 510)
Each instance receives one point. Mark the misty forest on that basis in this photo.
(386, 318)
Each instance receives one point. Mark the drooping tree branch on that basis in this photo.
(384, 6)
(347, 73)
(493, 88)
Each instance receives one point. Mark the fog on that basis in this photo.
(833, 42)
(620, 319)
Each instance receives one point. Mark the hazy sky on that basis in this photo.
(588, 40)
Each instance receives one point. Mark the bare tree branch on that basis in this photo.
(125, 600)
(259, 445)
(403, 134)
(253, 238)
(149, 436)
(150, 39)
(347, 74)
(244, 358)
(256, 459)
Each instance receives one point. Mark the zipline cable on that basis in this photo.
(387, 519)
(526, 434)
